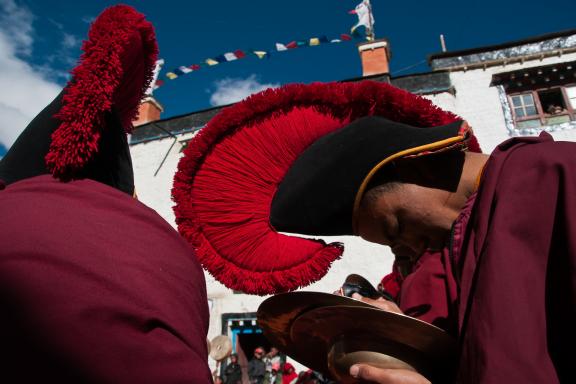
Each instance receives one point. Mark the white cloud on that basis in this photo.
(231, 90)
(88, 19)
(70, 41)
(16, 22)
(26, 90)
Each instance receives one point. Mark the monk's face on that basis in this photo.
(409, 218)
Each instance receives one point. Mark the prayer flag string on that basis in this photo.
(260, 54)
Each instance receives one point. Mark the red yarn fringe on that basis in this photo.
(115, 70)
(230, 172)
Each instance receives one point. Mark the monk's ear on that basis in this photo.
(441, 170)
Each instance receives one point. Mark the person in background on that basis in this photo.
(233, 372)
(271, 358)
(274, 376)
(257, 367)
(289, 375)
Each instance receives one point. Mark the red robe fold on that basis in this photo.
(517, 312)
(513, 262)
(96, 287)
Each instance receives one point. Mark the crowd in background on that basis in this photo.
(268, 368)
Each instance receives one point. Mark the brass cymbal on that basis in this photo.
(310, 326)
(276, 314)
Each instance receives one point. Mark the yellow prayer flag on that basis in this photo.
(211, 62)
(260, 54)
(314, 41)
(171, 75)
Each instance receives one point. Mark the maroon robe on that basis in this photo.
(96, 287)
(512, 262)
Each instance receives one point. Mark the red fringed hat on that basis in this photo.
(82, 133)
(115, 69)
(226, 184)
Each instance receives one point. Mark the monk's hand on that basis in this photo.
(370, 374)
(381, 303)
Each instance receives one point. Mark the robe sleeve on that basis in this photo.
(517, 311)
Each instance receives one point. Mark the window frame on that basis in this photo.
(541, 115)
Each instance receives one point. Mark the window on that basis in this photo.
(538, 98)
(571, 94)
(543, 107)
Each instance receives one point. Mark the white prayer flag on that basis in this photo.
(365, 18)
(230, 56)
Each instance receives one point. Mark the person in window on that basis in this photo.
(257, 367)
(554, 109)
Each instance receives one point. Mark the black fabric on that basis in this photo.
(112, 164)
(316, 196)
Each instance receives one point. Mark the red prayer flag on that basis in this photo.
(239, 53)
(352, 12)
(194, 67)
(292, 44)
(345, 37)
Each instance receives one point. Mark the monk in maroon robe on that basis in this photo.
(506, 283)
(94, 286)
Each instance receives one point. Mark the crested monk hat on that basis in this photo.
(296, 159)
(82, 132)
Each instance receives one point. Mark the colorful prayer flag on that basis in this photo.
(260, 54)
(229, 56)
(158, 84)
(365, 17)
(239, 53)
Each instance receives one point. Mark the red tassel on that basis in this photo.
(115, 70)
(230, 172)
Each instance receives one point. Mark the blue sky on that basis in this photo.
(40, 42)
